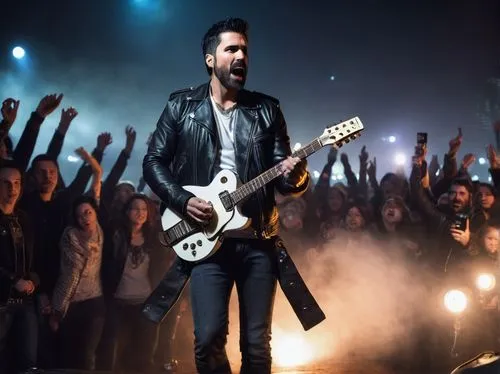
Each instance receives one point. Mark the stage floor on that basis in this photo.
(366, 367)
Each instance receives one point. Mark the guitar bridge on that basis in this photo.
(227, 201)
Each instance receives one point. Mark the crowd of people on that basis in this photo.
(78, 260)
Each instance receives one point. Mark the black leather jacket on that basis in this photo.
(15, 262)
(185, 145)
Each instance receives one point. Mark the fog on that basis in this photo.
(370, 296)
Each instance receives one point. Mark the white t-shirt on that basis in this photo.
(225, 126)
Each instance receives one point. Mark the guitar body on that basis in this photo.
(205, 242)
(194, 242)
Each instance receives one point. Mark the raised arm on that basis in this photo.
(120, 165)
(95, 187)
(372, 174)
(77, 187)
(24, 148)
(56, 143)
(420, 198)
(363, 167)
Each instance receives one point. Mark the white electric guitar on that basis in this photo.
(195, 242)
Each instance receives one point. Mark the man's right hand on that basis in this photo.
(200, 210)
(24, 286)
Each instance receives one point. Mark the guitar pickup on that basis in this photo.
(227, 201)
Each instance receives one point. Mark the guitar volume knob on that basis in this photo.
(185, 246)
(193, 253)
(199, 243)
(193, 246)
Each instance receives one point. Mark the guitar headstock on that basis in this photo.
(342, 133)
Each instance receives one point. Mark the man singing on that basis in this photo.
(215, 126)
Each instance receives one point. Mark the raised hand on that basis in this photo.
(372, 168)
(344, 159)
(434, 164)
(363, 156)
(67, 116)
(131, 135)
(9, 110)
(89, 159)
(82, 153)
(103, 140)
(468, 160)
(493, 157)
(48, 104)
(455, 144)
(332, 155)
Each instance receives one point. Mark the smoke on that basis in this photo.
(107, 96)
(371, 298)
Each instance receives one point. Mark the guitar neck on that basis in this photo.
(250, 187)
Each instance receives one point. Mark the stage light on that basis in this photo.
(18, 52)
(392, 139)
(400, 159)
(72, 158)
(291, 350)
(485, 282)
(297, 146)
(316, 174)
(455, 301)
(482, 161)
(475, 178)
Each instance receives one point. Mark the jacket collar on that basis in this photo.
(246, 99)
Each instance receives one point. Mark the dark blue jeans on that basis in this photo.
(251, 264)
(19, 324)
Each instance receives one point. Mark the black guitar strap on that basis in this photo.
(300, 298)
(168, 292)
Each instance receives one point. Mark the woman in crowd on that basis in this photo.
(134, 263)
(78, 305)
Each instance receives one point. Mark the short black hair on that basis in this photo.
(44, 157)
(11, 164)
(212, 37)
(464, 182)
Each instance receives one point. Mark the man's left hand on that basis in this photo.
(293, 168)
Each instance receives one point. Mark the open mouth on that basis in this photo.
(239, 72)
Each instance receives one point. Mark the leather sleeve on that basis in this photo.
(281, 151)
(160, 154)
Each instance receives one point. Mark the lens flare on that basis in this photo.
(290, 350)
(485, 282)
(455, 301)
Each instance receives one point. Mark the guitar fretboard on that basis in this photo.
(250, 187)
